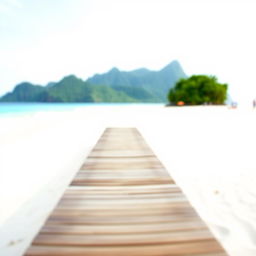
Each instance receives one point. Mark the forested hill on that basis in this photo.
(141, 85)
(154, 83)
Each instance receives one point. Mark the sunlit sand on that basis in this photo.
(209, 151)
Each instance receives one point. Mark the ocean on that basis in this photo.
(17, 109)
(28, 108)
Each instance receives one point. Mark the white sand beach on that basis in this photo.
(209, 151)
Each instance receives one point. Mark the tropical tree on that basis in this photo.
(197, 90)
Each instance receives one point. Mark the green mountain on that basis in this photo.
(69, 89)
(141, 85)
(24, 92)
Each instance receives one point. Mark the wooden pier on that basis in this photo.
(123, 202)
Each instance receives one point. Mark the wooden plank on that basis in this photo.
(127, 202)
(121, 196)
(123, 240)
(118, 166)
(128, 190)
(117, 212)
(143, 189)
(120, 182)
(113, 219)
(134, 172)
(123, 202)
(122, 229)
(212, 248)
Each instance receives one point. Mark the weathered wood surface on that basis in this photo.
(123, 202)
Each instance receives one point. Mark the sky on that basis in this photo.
(43, 41)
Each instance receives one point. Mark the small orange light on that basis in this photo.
(180, 103)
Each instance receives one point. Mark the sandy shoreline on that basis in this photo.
(208, 151)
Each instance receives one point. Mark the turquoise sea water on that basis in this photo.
(23, 108)
(13, 109)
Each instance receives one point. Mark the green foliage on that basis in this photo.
(102, 93)
(71, 89)
(139, 94)
(197, 90)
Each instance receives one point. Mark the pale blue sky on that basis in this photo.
(44, 40)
